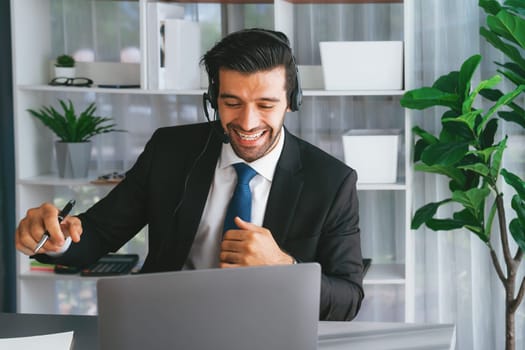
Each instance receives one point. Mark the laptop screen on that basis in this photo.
(274, 307)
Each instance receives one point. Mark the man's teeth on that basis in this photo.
(250, 136)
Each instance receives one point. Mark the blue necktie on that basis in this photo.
(241, 202)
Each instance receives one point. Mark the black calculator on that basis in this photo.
(111, 265)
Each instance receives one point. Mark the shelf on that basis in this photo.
(50, 276)
(223, 1)
(345, 1)
(211, 1)
(312, 92)
(36, 275)
(55, 180)
(381, 187)
(377, 274)
(385, 274)
(97, 90)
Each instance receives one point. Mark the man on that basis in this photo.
(304, 202)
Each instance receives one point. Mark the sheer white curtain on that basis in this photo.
(455, 280)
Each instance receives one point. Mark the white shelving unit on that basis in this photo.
(389, 279)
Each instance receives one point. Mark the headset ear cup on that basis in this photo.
(212, 99)
(296, 97)
(293, 101)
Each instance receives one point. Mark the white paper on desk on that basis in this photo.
(55, 341)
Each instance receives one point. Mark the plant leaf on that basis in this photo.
(444, 153)
(509, 26)
(517, 225)
(473, 200)
(513, 77)
(428, 97)
(449, 171)
(485, 84)
(497, 158)
(503, 100)
(471, 223)
(514, 68)
(490, 6)
(70, 128)
(486, 138)
(516, 6)
(484, 154)
(491, 94)
(466, 123)
(514, 181)
(425, 213)
(425, 135)
(518, 205)
(419, 147)
(448, 83)
(456, 130)
(518, 233)
(466, 72)
(478, 168)
(444, 224)
(513, 116)
(509, 50)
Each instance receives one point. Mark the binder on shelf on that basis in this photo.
(38, 266)
(182, 70)
(157, 13)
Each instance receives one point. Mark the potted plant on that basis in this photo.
(65, 66)
(73, 149)
(468, 152)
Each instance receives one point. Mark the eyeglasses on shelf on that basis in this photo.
(63, 81)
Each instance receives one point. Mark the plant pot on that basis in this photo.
(73, 159)
(64, 72)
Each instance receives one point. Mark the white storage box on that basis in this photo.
(182, 52)
(362, 65)
(373, 153)
(311, 77)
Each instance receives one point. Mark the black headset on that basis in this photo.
(296, 95)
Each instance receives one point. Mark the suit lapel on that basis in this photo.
(285, 192)
(196, 193)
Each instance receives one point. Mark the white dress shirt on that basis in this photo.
(205, 250)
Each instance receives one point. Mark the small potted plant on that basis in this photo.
(73, 149)
(65, 66)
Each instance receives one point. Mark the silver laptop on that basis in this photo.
(249, 308)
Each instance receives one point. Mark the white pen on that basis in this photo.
(61, 217)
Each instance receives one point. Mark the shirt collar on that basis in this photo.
(265, 166)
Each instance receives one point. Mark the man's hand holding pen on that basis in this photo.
(45, 220)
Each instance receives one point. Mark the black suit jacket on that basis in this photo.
(312, 211)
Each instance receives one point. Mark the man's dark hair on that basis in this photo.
(250, 51)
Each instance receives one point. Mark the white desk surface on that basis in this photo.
(386, 336)
(332, 335)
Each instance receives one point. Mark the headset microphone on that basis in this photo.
(222, 135)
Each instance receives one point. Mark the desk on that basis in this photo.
(23, 325)
(386, 336)
(332, 335)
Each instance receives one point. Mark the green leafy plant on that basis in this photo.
(70, 127)
(467, 151)
(66, 61)
(506, 32)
